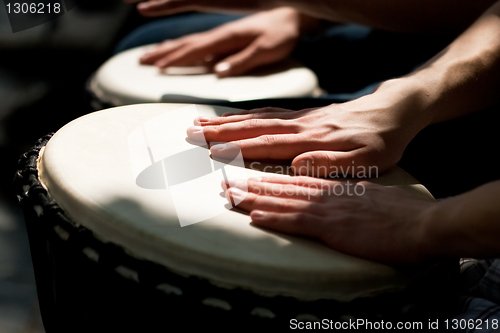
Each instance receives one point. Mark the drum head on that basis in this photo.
(92, 168)
(123, 80)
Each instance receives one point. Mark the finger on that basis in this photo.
(280, 147)
(260, 113)
(333, 164)
(225, 184)
(161, 51)
(296, 223)
(263, 113)
(242, 130)
(187, 55)
(295, 180)
(249, 201)
(242, 62)
(164, 7)
(310, 192)
(195, 48)
(259, 110)
(287, 146)
(264, 110)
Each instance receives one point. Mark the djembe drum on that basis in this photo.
(123, 80)
(116, 250)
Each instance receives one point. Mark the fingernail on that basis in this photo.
(161, 64)
(227, 150)
(143, 5)
(237, 194)
(202, 119)
(257, 215)
(219, 148)
(226, 114)
(195, 133)
(196, 129)
(222, 67)
(150, 49)
(234, 182)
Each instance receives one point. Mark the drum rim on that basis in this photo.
(97, 102)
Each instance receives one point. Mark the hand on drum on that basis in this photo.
(236, 47)
(364, 219)
(371, 131)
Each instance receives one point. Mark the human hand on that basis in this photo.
(236, 47)
(371, 131)
(169, 7)
(362, 219)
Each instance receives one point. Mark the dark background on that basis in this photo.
(43, 72)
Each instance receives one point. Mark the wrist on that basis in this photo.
(433, 234)
(412, 97)
(304, 23)
(442, 230)
(401, 107)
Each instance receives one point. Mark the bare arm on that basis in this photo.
(394, 15)
(375, 129)
(386, 224)
(461, 79)
(237, 47)
(467, 225)
(397, 15)
(464, 77)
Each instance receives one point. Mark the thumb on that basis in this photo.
(242, 62)
(333, 164)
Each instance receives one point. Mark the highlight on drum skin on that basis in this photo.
(182, 168)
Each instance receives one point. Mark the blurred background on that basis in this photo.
(43, 72)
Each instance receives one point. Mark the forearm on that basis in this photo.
(304, 23)
(465, 226)
(395, 15)
(462, 79)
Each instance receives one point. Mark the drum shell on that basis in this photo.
(95, 102)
